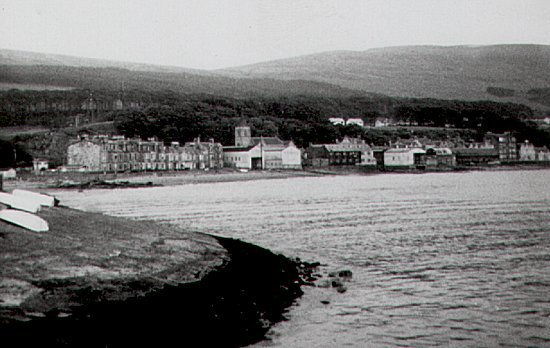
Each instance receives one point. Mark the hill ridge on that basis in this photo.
(444, 72)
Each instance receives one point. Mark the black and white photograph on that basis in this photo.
(287, 173)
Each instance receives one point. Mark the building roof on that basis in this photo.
(405, 150)
(346, 145)
(475, 152)
(441, 150)
(238, 148)
(269, 141)
(341, 148)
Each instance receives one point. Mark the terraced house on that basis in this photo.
(118, 154)
(348, 151)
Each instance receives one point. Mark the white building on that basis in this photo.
(40, 165)
(261, 152)
(337, 121)
(527, 152)
(405, 157)
(543, 154)
(8, 174)
(382, 122)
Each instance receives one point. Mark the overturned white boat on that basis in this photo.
(21, 203)
(42, 199)
(23, 219)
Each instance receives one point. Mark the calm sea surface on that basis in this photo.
(437, 259)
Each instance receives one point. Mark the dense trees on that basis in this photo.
(181, 117)
(12, 155)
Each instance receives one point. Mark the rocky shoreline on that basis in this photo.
(132, 283)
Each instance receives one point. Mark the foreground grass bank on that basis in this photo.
(98, 281)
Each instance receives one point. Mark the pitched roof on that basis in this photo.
(268, 141)
(404, 150)
(341, 148)
(238, 148)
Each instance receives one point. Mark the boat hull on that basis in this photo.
(23, 219)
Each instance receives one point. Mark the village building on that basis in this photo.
(40, 165)
(118, 154)
(476, 156)
(406, 144)
(200, 155)
(337, 121)
(527, 152)
(8, 173)
(405, 158)
(440, 157)
(383, 122)
(355, 121)
(542, 153)
(378, 153)
(505, 144)
(261, 152)
(349, 151)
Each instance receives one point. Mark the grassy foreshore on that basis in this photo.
(97, 281)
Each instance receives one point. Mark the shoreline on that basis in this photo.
(85, 181)
(52, 182)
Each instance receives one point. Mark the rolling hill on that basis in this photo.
(454, 72)
(39, 71)
(14, 57)
(505, 73)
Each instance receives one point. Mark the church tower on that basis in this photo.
(243, 136)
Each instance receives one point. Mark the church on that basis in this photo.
(261, 152)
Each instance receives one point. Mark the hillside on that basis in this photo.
(14, 57)
(39, 71)
(457, 72)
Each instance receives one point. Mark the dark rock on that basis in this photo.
(346, 273)
(325, 302)
(337, 283)
(341, 289)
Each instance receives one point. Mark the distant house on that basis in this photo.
(407, 143)
(261, 152)
(197, 154)
(382, 122)
(405, 158)
(505, 144)
(440, 157)
(40, 165)
(542, 153)
(349, 151)
(337, 121)
(8, 173)
(527, 152)
(355, 121)
(476, 156)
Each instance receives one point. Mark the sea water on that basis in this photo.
(454, 259)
